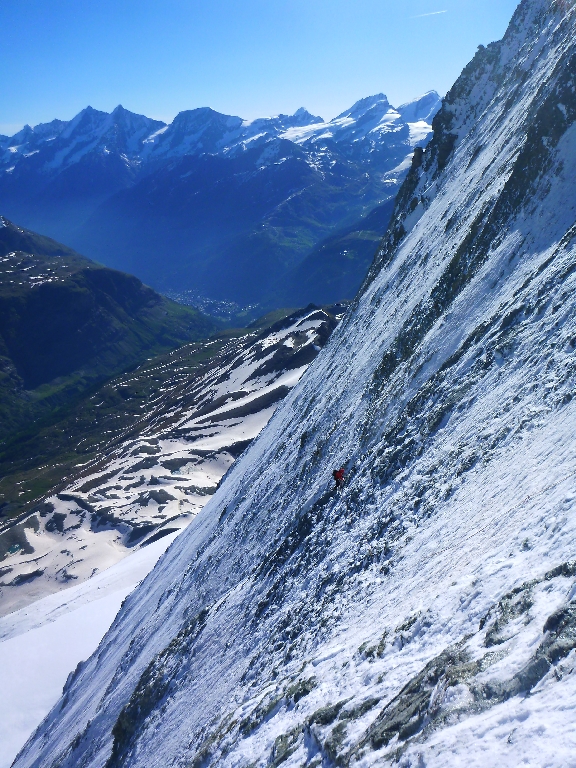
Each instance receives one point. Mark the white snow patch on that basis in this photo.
(41, 645)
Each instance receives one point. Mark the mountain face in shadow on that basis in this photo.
(67, 323)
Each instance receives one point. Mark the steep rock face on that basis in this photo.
(404, 619)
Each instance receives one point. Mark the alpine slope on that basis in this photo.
(424, 614)
(157, 466)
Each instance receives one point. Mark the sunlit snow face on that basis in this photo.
(564, 5)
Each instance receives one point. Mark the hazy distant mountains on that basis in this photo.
(216, 205)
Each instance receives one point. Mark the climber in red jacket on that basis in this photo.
(338, 476)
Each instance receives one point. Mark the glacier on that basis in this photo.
(425, 615)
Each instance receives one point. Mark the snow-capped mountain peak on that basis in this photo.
(361, 129)
(296, 174)
(303, 117)
(87, 121)
(22, 137)
(195, 131)
(361, 107)
(423, 108)
(50, 130)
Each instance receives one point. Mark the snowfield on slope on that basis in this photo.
(425, 615)
(41, 645)
(154, 484)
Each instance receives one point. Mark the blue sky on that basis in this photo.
(244, 57)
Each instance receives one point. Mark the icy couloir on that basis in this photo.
(160, 468)
(424, 615)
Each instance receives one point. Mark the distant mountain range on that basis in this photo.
(212, 204)
(67, 323)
